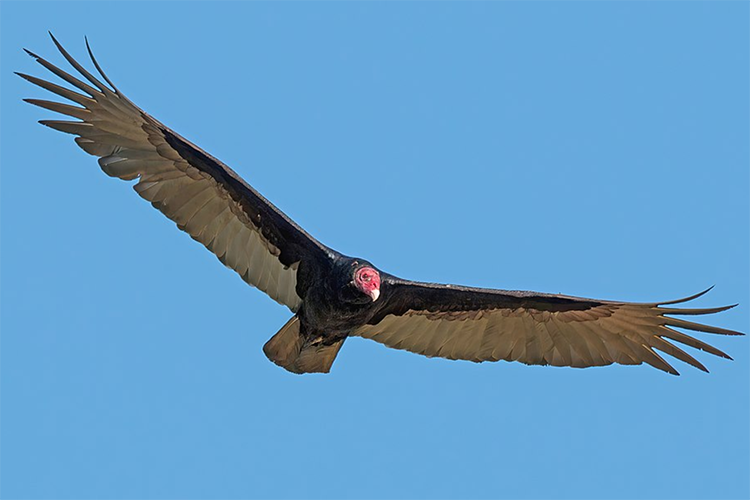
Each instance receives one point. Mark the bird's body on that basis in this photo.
(334, 296)
(324, 313)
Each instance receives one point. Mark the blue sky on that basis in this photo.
(593, 149)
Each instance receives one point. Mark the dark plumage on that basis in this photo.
(334, 296)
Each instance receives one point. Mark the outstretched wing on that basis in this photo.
(203, 196)
(537, 329)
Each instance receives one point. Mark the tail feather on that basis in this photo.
(293, 351)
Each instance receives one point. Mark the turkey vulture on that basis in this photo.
(334, 296)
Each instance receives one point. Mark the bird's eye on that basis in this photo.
(366, 277)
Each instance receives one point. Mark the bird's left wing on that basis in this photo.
(476, 324)
(203, 196)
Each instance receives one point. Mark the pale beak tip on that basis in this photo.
(375, 294)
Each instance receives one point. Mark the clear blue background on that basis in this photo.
(594, 149)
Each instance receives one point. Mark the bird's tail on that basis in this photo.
(294, 351)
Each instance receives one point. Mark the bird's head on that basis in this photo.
(363, 282)
(367, 280)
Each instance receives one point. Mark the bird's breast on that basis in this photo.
(324, 314)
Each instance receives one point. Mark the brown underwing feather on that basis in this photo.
(57, 89)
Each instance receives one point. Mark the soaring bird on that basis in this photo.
(334, 296)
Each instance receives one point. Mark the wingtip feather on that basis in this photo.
(98, 67)
(694, 311)
(59, 46)
(31, 53)
(671, 371)
(687, 299)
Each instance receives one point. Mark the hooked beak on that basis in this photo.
(374, 293)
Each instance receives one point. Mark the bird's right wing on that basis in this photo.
(203, 196)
